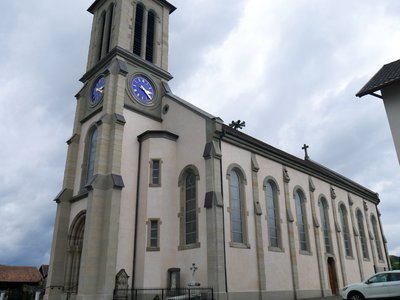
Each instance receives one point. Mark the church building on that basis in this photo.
(153, 185)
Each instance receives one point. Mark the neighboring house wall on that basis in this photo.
(391, 99)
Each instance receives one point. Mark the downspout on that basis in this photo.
(136, 214)
(223, 211)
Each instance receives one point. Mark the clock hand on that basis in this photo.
(148, 93)
(100, 90)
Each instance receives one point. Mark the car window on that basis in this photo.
(394, 277)
(378, 278)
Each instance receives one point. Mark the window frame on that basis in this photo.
(344, 222)
(274, 200)
(149, 223)
(89, 159)
(301, 213)
(325, 223)
(152, 182)
(362, 234)
(242, 205)
(378, 244)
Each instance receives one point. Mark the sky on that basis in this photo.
(289, 68)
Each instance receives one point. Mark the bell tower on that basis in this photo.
(123, 87)
(134, 27)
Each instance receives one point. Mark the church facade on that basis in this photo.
(153, 184)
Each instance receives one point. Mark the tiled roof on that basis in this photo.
(387, 75)
(19, 274)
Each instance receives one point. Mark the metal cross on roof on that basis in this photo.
(305, 147)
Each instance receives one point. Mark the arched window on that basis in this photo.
(301, 220)
(189, 232)
(137, 38)
(237, 206)
(363, 239)
(74, 251)
(345, 230)
(150, 36)
(90, 156)
(376, 236)
(325, 224)
(271, 196)
(236, 203)
(190, 208)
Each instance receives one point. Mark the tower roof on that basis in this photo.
(164, 2)
(387, 75)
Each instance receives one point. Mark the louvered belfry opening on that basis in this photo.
(144, 34)
(150, 36)
(137, 39)
(101, 36)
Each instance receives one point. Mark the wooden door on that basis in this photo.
(332, 276)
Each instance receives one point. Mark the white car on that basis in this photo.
(383, 285)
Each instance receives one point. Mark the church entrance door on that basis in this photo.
(332, 276)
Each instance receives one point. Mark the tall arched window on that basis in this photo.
(74, 251)
(301, 220)
(363, 239)
(90, 156)
(190, 208)
(345, 230)
(325, 224)
(137, 38)
(376, 236)
(237, 206)
(189, 232)
(151, 25)
(271, 196)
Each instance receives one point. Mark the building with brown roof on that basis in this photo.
(20, 282)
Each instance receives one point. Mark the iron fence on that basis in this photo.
(165, 294)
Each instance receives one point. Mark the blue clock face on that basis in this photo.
(98, 91)
(142, 89)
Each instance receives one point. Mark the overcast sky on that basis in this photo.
(289, 68)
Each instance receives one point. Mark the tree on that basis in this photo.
(395, 262)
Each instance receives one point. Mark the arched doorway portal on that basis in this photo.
(332, 276)
(75, 241)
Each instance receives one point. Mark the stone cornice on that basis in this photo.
(134, 59)
(96, 3)
(157, 134)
